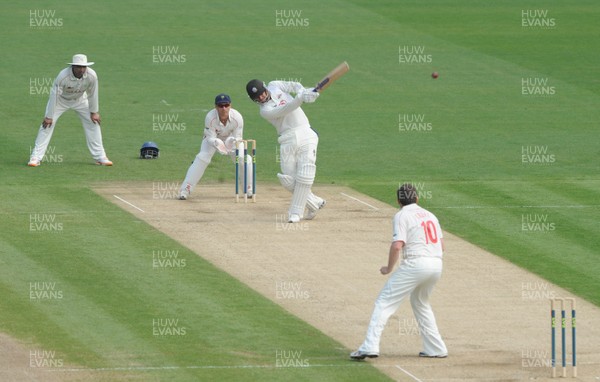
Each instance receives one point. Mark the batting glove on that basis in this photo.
(310, 95)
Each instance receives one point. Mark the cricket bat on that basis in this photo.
(336, 73)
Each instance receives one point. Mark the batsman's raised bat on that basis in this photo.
(336, 73)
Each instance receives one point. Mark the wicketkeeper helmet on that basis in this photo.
(149, 150)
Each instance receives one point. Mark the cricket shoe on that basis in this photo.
(33, 162)
(310, 213)
(359, 354)
(294, 218)
(425, 355)
(185, 193)
(104, 162)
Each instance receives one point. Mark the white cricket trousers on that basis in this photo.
(93, 132)
(415, 277)
(199, 165)
(298, 156)
(297, 148)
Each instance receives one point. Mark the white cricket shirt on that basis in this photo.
(420, 231)
(213, 128)
(283, 110)
(70, 90)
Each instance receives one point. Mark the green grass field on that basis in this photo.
(503, 147)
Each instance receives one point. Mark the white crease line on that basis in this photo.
(500, 207)
(148, 368)
(125, 201)
(360, 201)
(409, 374)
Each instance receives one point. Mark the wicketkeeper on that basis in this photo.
(223, 127)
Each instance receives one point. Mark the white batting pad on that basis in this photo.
(304, 181)
(306, 174)
(313, 202)
(287, 182)
(249, 176)
(299, 197)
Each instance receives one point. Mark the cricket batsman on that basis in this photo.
(280, 103)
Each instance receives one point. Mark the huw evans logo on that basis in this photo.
(51, 156)
(410, 327)
(44, 358)
(44, 223)
(413, 54)
(165, 190)
(166, 122)
(167, 327)
(290, 290)
(289, 79)
(290, 358)
(44, 19)
(167, 259)
(282, 224)
(40, 85)
(536, 154)
(43, 290)
(422, 190)
(536, 290)
(535, 358)
(537, 223)
(290, 18)
(167, 54)
(536, 86)
(413, 122)
(284, 155)
(537, 19)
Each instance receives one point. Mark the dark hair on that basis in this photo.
(407, 194)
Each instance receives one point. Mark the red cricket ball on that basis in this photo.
(434, 75)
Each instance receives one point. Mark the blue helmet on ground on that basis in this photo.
(149, 150)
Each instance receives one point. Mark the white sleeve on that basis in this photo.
(276, 111)
(238, 131)
(399, 228)
(210, 134)
(92, 93)
(288, 86)
(54, 91)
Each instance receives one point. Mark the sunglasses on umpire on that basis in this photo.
(224, 105)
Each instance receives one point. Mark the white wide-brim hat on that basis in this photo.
(80, 60)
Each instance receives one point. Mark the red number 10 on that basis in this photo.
(430, 232)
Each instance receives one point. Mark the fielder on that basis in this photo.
(223, 127)
(280, 103)
(75, 88)
(418, 235)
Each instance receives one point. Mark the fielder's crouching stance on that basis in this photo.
(75, 88)
(280, 103)
(418, 235)
(223, 127)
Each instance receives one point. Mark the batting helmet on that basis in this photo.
(149, 150)
(255, 88)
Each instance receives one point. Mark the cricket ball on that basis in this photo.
(434, 75)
